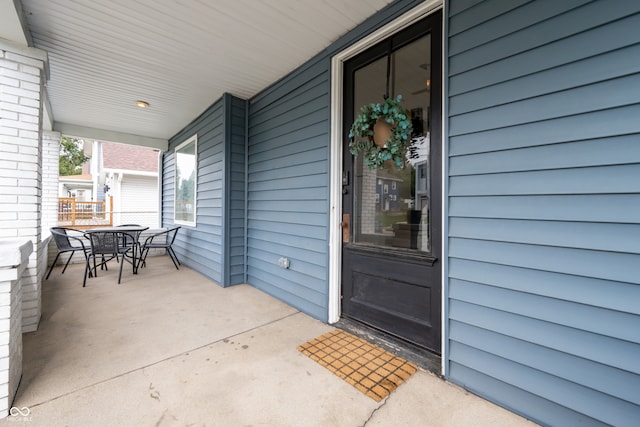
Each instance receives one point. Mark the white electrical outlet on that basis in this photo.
(284, 262)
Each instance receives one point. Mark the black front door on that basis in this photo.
(392, 248)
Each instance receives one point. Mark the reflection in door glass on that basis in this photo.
(392, 204)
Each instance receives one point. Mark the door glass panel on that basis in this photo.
(392, 204)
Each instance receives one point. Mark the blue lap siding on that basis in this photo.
(288, 193)
(543, 229)
(288, 178)
(541, 196)
(215, 246)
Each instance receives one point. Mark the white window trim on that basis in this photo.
(194, 140)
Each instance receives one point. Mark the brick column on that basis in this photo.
(22, 76)
(50, 178)
(14, 257)
(50, 175)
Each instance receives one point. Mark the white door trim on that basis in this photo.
(335, 215)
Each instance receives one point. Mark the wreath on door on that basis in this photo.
(381, 132)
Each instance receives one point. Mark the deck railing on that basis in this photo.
(75, 214)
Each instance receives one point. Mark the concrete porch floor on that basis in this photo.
(172, 348)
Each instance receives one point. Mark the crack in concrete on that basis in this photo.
(153, 393)
(384, 402)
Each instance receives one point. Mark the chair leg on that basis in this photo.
(87, 256)
(121, 264)
(52, 265)
(95, 267)
(68, 261)
(103, 265)
(143, 257)
(87, 269)
(175, 255)
(174, 258)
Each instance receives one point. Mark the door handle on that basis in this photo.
(346, 228)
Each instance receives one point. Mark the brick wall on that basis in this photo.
(21, 84)
(50, 174)
(13, 263)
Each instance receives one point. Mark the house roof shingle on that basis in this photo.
(129, 157)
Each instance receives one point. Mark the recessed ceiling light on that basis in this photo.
(142, 104)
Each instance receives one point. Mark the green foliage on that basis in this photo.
(186, 189)
(71, 157)
(395, 148)
(387, 219)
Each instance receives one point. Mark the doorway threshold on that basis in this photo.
(423, 358)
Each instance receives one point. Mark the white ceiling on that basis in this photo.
(178, 55)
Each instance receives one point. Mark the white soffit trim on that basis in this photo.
(111, 136)
(335, 190)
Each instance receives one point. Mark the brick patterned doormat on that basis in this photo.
(370, 369)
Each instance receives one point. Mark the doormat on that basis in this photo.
(369, 368)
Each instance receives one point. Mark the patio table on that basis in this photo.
(131, 231)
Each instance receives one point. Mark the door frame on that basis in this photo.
(336, 150)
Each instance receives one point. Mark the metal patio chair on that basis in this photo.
(161, 240)
(107, 245)
(66, 242)
(131, 239)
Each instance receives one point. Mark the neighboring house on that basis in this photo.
(524, 278)
(127, 173)
(79, 186)
(131, 175)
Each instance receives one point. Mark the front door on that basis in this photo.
(392, 245)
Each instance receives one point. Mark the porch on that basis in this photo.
(170, 347)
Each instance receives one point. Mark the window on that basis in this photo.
(186, 158)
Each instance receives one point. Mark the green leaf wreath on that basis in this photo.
(395, 148)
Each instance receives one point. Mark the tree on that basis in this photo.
(71, 156)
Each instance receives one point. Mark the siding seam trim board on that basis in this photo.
(445, 343)
(246, 191)
(226, 177)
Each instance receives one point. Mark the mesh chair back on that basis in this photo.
(104, 242)
(129, 239)
(61, 239)
(67, 243)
